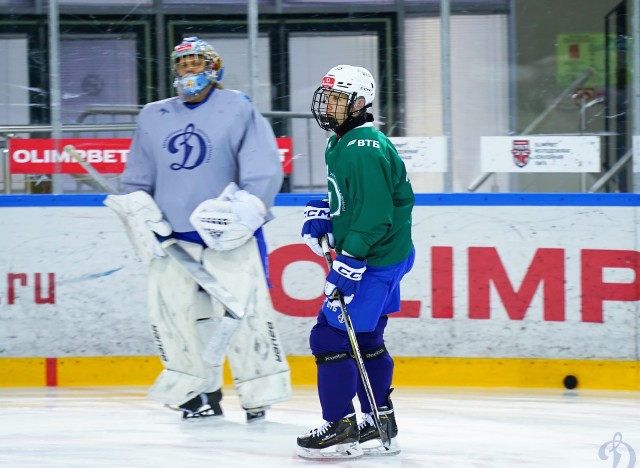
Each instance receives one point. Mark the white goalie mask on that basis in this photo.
(355, 83)
(196, 51)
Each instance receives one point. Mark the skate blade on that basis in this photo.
(374, 448)
(256, 418)
(209, 418)
(257, 421)
(350, 450)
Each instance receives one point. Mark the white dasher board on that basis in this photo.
(540, 153)
(422, 154)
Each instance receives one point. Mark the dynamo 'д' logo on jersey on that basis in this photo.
(190, 147)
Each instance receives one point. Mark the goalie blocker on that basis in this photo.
(194, 333)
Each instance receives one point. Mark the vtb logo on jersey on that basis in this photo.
(191, 146)
(521, 152)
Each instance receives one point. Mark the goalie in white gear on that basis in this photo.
(203, 170)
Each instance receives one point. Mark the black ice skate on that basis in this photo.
(256, 414)
(370, 441)
(338, 439)
(202, 406)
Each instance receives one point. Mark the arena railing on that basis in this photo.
(23, 131)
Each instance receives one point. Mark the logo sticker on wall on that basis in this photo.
(521, 152)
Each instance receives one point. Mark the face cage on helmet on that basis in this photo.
(319, 107)
(191, 85)
(208, 62)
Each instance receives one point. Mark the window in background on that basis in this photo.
(235, 58)
(310, 57)
(14, 81)
(97, 70)
(479, 87)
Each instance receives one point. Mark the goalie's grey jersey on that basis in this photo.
(182, 156)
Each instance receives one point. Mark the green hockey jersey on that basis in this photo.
(370, 196)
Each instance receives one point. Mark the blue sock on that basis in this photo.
(337, 383)
(380, 373)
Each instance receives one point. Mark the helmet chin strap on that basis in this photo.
(354, 119)
(331, 122)
(353, 122)
(356, 113)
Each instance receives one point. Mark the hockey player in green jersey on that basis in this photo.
(367, 220)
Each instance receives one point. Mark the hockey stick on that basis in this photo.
(205, 280)
(384, 437)
(98, 178)
(192, 267)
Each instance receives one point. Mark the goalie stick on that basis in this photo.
(384, 437)
(192, 267)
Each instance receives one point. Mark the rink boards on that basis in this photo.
(507, 290)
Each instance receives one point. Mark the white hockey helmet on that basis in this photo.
(190, 85)
(356, 83)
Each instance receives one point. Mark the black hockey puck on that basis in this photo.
(570, 382)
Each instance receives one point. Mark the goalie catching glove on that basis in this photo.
(227, 222)
(143, 220)
(317, 223)
(345, 276)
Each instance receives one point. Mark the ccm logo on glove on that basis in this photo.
(317, 223)
(355, 275)
(316, 213)
(345, 276)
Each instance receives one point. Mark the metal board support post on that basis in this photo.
(635, 83)
(54, 78)
(252, 29)
(445, 48)
(161, 37)
(514, 182)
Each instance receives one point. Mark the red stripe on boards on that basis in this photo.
(51, 366)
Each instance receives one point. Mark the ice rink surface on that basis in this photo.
(439, 427)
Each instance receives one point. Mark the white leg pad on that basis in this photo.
(256, 357)
(264, 391)
(183, 321)
(175, 388)
(216, 335)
